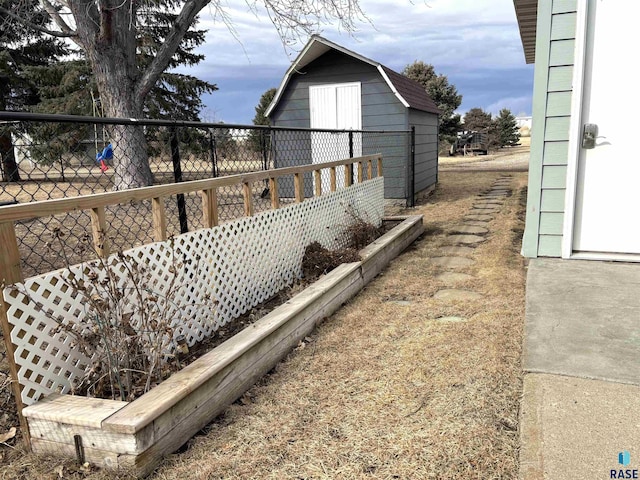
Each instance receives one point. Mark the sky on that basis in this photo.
(475, 43)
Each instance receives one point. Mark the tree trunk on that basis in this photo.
(10, 172)
(108, 38)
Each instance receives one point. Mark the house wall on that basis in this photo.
(555, 42)
(426, 148)
(381, 110)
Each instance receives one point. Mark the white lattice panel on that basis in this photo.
(223, 273)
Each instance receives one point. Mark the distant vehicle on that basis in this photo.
(469, 143)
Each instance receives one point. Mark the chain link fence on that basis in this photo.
(47, 157)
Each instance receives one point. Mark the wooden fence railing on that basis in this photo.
(95, 204)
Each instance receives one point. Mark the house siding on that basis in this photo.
(555, 46)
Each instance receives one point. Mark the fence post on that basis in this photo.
(159, 219)
(412, 169)
(99, 232)
(351, 152)
(213, 155)
(273, 190)
(10, 273)
(247, 199)
(177, 176)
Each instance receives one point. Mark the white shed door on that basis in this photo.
(337, 107)
(608, 184)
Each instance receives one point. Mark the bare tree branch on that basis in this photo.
(27, 23)
(55, 16)
(169, 47)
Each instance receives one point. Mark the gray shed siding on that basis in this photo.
(426, 148)
(381, 110)
(550, 133)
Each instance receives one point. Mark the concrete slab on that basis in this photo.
(574, 428)
(477, 223)
(583, 319)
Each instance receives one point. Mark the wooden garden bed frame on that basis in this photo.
(136, 435)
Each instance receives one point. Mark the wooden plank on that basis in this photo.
(348, 175)
(209, 207)
(95, 456)
(10, 351)
(332, 179)
(74, 410)
(273, 191)
(159, 219)
(317, 180)
(369, 169)
(44, 208)
(298, 184)
(99, 232)
(63, 433)
(380, 173)
(10, 270)
(247, 197)
(360, 172)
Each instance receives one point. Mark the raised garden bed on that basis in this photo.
(136, 435)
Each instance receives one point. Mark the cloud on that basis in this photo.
(476, 44)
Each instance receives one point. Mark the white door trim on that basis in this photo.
(575, 129)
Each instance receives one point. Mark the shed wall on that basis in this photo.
(555, 44)
(381, 110)
(426, 148)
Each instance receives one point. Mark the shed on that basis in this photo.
(583, 173)
(330, 87)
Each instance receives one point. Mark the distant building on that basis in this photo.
(524, 125)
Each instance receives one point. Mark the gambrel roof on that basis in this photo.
(410, 93)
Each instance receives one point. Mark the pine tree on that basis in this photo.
(258, 141)
(507, 128)
(444, 95)
(21, 48)
(70, 88)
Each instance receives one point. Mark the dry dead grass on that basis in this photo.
(384, 390)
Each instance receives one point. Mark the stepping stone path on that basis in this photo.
(469, 229)
(471, 232)
(454, 251)
(466, 239)
(453, 277)
(482, 218)
(457, 295)
(452, 262)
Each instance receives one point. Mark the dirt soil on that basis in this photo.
(384, 388)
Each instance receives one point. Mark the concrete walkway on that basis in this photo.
(581, 402)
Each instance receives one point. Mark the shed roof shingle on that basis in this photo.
(411, 91)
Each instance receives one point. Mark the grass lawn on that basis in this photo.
(383, 388)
